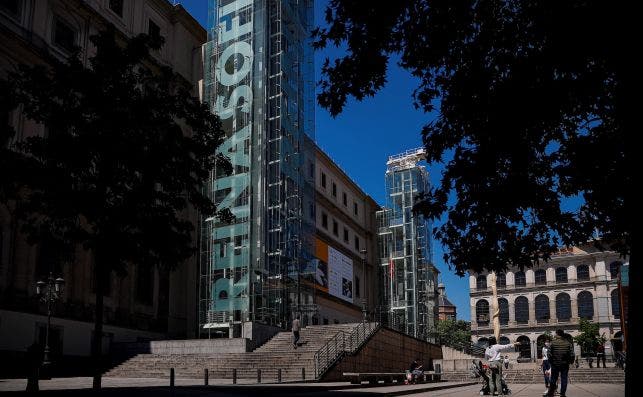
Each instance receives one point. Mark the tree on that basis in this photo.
(122, 164)
(454, 333)
(589, 337)
(533, 110)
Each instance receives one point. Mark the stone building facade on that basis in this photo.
(446, 309)
(580, 282)
(146, 304)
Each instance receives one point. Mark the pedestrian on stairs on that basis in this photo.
(295, 331)
(600, 355)
(561, 355)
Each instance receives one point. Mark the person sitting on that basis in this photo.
(415, 370)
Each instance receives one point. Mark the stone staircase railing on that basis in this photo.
(341, 344)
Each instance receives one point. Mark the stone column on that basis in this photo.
(512, 312)
(574, 303)
(552, 310)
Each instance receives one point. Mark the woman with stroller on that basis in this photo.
(494, 358)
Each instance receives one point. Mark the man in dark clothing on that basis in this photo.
(561, 354)
(600, 355)
(296, 326)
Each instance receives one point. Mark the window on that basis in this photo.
(323, 183)
(12, 7)
(324, 220)
(311, 170)
(357, 286)
(585, 305)
(145, 284)
(153, 29)
(64, 35)
(334, 190)
(582, 273)
(355, 208)
(344, 199)
(357, 243)
(503, 305)
(542, 308)
(482, 312)
(116, 6)
(616, 304)
(481, 282)
(521, 310)
(541, 277)
(614, 269)
(501, 280)
(561, 275)
(563, 307)
(520, 279)
(311, 209)
(345, 235)
(335, 228)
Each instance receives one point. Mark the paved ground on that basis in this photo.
(191, 387)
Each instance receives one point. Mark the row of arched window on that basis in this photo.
(585, 304)
(540, 276)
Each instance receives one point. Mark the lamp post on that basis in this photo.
(49, 292)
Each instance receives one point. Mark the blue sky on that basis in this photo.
(366, 133)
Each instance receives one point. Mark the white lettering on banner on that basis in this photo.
(234, 85)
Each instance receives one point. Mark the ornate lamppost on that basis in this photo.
(49, 292)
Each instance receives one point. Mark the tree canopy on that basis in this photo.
(530, 100)
(122, 164)
(454, 333)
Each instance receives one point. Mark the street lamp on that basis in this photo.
(49, 292)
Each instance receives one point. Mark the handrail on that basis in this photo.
(340, 344)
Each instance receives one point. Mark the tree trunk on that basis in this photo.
(97, 343)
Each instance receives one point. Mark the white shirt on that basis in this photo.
(545, 353)
(492, 353)
(295, 325)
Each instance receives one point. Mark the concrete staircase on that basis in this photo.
(277, 353)
(525, 376)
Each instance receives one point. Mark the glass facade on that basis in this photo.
(408, 279)
(259, 80)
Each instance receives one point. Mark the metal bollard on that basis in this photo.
(234, 376)
(206, 377)
(171, 377)
(279, 375)
(258, 375)
(303, 374)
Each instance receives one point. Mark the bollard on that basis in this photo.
(258, 375)
(234, 376)
(206, 377)
(303, 374)
(171, 378)
(279, 375)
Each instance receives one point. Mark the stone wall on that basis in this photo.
(386, 351)
(189, 346)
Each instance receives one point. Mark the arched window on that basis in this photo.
(504, 340)
(483, 342)
(521, 308)
(482, 312)
(503, 305)
(542, 308)
(561, 275)
(541, 277)
(585, 305)
(582, 273)
(481, 282)
(614, 268)
(501, 280)
(520, 279)
(616, 304)
(525, 346)
(563, 307)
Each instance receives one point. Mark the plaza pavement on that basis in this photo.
(192, 387)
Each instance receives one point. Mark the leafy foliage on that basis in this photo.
(454, 333)
(531, 113)
(589, 337)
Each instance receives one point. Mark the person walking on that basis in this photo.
(600, 355)
(561, 355)
(545, 365)
(295, 331)
(494, 359)
(506, 362)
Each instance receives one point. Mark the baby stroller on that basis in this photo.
(485, 390)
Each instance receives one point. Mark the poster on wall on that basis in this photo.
(340, 275)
